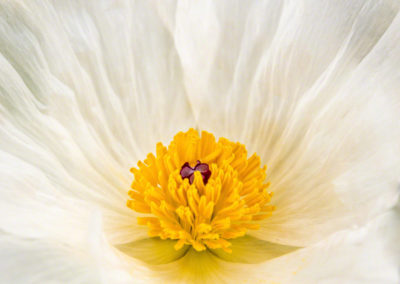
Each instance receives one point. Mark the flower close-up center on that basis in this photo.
(200, 192)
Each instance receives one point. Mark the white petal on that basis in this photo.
(245, 55)
(366, 255)
(83, 109)
(220, 45)
(58, 261)
(348, 151)
(303, 84)
(35, 205)
(27, 261)
(32, 207)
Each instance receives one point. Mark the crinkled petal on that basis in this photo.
(311, 86)
(81, 109)
(34, 205)
(88, 260)
(347, 151)
(33, 261)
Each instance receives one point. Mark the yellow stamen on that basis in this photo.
(201, 214)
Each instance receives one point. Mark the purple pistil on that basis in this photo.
(188, 172)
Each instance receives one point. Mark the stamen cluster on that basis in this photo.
(203, 213)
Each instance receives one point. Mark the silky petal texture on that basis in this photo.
(90, 260)
(71, 105)
(87, 88)
(314, 93)
(27, 261)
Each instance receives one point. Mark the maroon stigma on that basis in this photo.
(188, 172)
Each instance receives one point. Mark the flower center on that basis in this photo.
(200, 192)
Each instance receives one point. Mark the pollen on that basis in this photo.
(200, 192)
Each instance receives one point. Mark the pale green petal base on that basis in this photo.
(249, 249)
(195, 267)
(215, 266)
(246, 249)
(153, 250)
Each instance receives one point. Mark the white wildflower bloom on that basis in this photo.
(89, 88)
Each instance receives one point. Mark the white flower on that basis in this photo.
(88, 88)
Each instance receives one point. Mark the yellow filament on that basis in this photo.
(201, 215)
